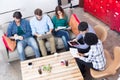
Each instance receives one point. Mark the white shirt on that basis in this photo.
(41, 26)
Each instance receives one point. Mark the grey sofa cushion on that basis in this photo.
(14, 55)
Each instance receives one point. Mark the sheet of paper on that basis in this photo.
(62, 27)
(74, 52)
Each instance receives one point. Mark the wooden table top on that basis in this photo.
(58, 71)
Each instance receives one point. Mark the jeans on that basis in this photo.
(64, 34)
(21, 45)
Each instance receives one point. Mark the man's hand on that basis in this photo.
(39, 35)
(74, 40)
(16, 37)
(77, 55)
(20, 37)
(80, 54)
(48, 32)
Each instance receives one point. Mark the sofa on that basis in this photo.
(12, 56)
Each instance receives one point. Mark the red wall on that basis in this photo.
(107, 11)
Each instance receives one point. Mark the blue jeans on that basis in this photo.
(64, 34)
(21, 45)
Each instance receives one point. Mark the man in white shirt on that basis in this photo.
(95, 57)
(42, 27)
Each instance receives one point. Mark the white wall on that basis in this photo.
(26, 7)
(7, 5)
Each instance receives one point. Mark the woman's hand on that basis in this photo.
(57, 29)
(69, 28)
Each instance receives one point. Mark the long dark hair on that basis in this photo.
(59, 8)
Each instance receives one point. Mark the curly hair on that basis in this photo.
(91, 38)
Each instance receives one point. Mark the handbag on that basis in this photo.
(10, 44)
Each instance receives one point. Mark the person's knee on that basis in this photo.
(63, 38)
(52, 40)
(19, 45)
(33, 43)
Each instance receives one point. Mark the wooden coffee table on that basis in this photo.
(58, 71)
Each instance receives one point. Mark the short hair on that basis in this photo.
(83, 26)
(38, 12)
(91, 38)
(17, 15)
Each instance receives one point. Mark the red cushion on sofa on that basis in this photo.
(9, 44)
(73, 23)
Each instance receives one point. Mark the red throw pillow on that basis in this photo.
(9, 43)
(73, 23)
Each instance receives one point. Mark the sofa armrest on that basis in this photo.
(3, 49)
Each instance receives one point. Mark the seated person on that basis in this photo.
(42, 26)
(60, 21)
(95, 57)
(20, 30)
(83, 27)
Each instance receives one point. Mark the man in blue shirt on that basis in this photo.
(20, 30)
(84, 28)
(42, 27)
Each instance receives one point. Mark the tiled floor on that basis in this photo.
(12, 71)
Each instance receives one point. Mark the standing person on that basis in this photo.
(41, 24)
(20, 30)
(60, 21)
(95, 57)
(83, 27)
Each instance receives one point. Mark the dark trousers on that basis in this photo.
(82, 64)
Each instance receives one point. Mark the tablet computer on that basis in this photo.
(45, 36)
(73, 43)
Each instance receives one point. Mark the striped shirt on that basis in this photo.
(95, 56)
